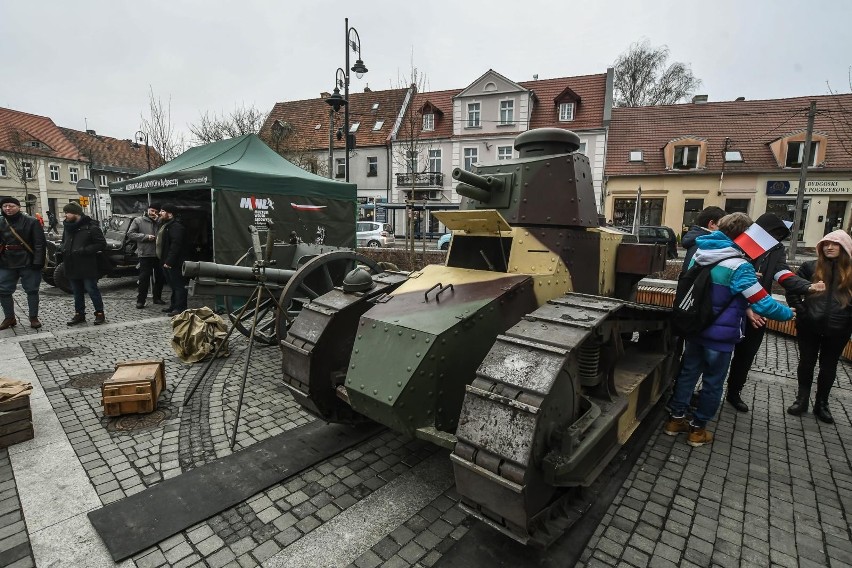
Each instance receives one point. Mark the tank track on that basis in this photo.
(551, 404)
(316, 348)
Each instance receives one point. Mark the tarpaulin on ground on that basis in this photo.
(249, 183)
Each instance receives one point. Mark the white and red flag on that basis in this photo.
(755, 241)
(300, 207)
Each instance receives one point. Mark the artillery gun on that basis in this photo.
(523, 353)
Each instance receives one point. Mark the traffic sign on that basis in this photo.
(84, 201)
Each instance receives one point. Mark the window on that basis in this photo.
(685, 157)
(435, 161)
(35, 144)
(354, 127)
(471, 156)
(566, 112)
(28, 169)
(786, 208)
(340, 167)
(74, 174)
(796, 153)
(737, 205)
(733, 156)
(473, 115)
(375, 106)
(635, 156)
(691, 209)
(651, 211)
(103, 180)
(582, 148)
(429, 121)
(411, 160)
(378, 125)
(504, 152)
(372, 166)
(3, 171)
(54, 172)
(507, 112)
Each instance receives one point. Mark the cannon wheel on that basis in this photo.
(316, 277)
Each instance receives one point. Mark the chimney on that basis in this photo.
(535, 77)
(367, 88)
(699, 99)
(740, 99)
(91, 132)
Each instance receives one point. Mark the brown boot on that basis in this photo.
(8, 322)
(78, 318)
(699, 436)
(675, 426)
(99, 318)
(35, 323)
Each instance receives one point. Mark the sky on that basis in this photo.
(92, 63)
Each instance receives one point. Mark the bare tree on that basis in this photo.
(159, 128)
(240, 121)
(643, 79)
(282, 137)
(840, 116)
(24, 164)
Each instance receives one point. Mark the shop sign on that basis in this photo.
(812, 187)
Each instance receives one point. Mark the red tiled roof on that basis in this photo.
(589, 113)
(304, 117)
(442, 100)
(113, 154)
(31, 127)
(750, 127)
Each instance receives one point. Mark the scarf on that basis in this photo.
(159, 245)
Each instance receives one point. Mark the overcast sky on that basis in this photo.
(93, 61)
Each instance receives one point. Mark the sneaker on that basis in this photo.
(34, 323)
(78, 318)
(698, 437)
(99, 318)
(675, 426)
(8, 322)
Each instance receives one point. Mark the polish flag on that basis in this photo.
(298, 207)
(755, 241)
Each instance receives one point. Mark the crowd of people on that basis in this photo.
(161, 249)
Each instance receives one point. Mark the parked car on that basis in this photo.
(444, 241)
(374, 235)
(656, 235)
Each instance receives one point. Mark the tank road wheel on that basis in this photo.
(316, 277)
(60, 280)
(553, 401)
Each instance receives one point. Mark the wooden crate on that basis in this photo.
(15, 421)
(134, 388)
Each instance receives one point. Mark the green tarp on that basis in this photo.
(249, 184)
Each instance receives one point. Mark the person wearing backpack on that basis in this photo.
(707, 352)
(824, 325)
(706, 222)
(771, 266)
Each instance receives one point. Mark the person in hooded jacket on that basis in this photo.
(22, 245)
(706, 222)
(770, 267)
(823, 321)
(708, 354)
(82, 241)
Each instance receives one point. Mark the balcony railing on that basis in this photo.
(425, 179)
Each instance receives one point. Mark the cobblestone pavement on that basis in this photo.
(772, 488)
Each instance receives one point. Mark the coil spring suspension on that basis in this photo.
(588, 359)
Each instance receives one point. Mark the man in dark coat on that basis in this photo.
(705, 223)
(22, 245)
(82, 241)
(171, 250)
(770, 266)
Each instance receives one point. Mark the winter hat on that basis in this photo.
(154, 206)
(73, 207)
(169, 208)
(773, 225)
(840, 237)
(6, 200)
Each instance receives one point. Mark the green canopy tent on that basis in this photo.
(241, 182)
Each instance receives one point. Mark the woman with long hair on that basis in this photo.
(823, 321)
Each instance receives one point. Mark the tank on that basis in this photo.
(523, 353)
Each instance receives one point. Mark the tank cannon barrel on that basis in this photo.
(476, 186)
(193, 269)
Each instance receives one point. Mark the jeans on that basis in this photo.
(178, 285)
(744, 355)
(709, 365)
(827, 348)
(150, 268)
(30, 281)
(90, 286)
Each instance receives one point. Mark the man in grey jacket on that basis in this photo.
(143, 230)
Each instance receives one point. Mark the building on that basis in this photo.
(111, 159)
(38, 164)
(739, 155)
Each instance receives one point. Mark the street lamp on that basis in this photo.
(143, 137)
(335, 100)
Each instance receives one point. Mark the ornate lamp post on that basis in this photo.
(139, 138)
(336, 103)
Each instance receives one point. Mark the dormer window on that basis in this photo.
(566, 112)
(796, 153)
(685, 158)
(635, 156)
(733, 156)
(429, 121)
(35, 144)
